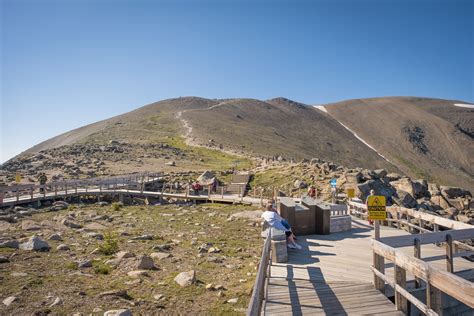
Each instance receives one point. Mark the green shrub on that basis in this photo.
(110, 244)
(101, 268)
(117, 206)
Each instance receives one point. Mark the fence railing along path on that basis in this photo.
(134, 184)
(432, 280)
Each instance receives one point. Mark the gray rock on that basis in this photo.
(453, 192)
(142, 237)
(10, 244)
(233, 300)
(9, 300)
(186, 278)
(393, 177)
(137, 273)
(62, 247)
(160, 255)
(145, 262)
(4, 259)
(29, 225)
(118, 312)
(35, 243)
(124, 255)
(420, 188)
(55, 237)
(84, 263)
(71, 224)
(380, 187)
(405, 199)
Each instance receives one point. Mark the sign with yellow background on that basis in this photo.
(376, 207)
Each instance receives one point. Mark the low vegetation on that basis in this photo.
(181, 235)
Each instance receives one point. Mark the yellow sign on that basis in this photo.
(17, 178)
(376, 207)
(350, 193)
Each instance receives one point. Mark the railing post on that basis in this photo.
(433, 298)
(417, 254)
(222, 192)
(449, 254)
(400, 279)
(379, 264)
(398, 219)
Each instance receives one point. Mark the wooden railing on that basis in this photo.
(435, 281)
(132, 181)
(263, 275)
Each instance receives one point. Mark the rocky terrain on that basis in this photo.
(163, 259)
(294, 178)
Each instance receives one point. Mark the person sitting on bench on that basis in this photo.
(274, 220)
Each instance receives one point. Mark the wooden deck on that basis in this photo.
(332, 275)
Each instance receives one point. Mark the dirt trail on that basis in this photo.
(188, 131)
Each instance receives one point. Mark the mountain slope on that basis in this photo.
(426, 138)
(280, 127)
(423, 138)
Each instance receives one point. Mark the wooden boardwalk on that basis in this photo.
(225, 198)
(332, 275)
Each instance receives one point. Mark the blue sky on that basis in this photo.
(68, 63)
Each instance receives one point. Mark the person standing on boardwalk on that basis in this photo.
(42, 179)
(312, 192)
(372, 193)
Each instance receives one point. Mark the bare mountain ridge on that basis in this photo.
(421, 137)
(428, 138)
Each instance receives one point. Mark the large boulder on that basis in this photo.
(380, 187)
(420, 188)
(440, 200)
(405, 199)
(433, 189)
(403, 184)
(118, 312)
(186, 278)
(393, 177)
(35, 243)
(454, 192)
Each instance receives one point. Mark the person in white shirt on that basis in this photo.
(275, 220)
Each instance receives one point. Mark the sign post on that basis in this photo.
(333, 183)
(377, 211)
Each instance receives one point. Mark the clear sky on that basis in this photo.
(68, 63)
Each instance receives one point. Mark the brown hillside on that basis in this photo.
(425, 138)
(280, 127)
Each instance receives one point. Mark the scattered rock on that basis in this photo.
(453, 192)
(35, 243)
(138, 273)
(10, 244)
(160, 255)
(145, 262)
(118, 312)
(55, 237)
(186, 278)
(142, 237)
(57, 301)
(9, 300)
(62, 247)
(29, 225)
(233, 300)
(84, 263)
(94, 226)
(4, 259)
(158, 297)
(124, 255)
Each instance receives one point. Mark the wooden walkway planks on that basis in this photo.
(331, 275)
(300, 297)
